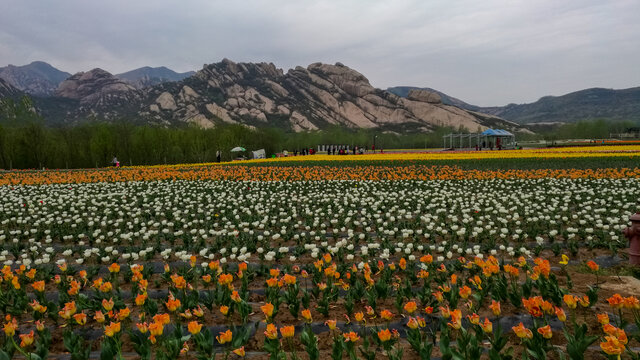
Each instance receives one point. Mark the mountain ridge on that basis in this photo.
(37, 78)
(255, 95)
(586, 104)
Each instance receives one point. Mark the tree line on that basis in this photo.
(26, 142)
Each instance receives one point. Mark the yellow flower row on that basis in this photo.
(545, 153)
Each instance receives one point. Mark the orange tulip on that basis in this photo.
(68, 310)
(80, 318)
(603, 318)
(456, 319)
(446, 313)
(632, 302)
(306, 315)
(123, 314)
(410, 307)
(287, 331)
(164, 319)
(612, 346)
(474, 318)
(386, 314)
(156, 328)
(225, 279)
(112, 329)
(487, 326)
(359, 316)
(271, 332)
(107, 305)
(562, 316)
(141, 299)
(570, 300)
(289, 279)
(384, 335)
(351, 337)
(142, 327)
(495, 307)
(38, 286)
(545, 331)
(616, 301)
(464, 292)
(198, 312)
(99, 317)
(10, 327)
(194, 327)
(584, 301)
(173, 304)
(240, 351)
(267, 309)
(522, 332)
(26, 339)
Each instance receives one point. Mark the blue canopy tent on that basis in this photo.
(490, 138)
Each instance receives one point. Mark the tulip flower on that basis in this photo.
(287, 331)
(26, 339)
(522, 332)
(271, 332)
(240, 351)
(410, 307)
(545, 331)
(112, 329)
(384, 335)
(194, 327)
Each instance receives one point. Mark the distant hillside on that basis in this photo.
(403, 91)
(148, 76)
(37, 78)
(595, 103)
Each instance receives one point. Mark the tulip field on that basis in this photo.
(384, 256)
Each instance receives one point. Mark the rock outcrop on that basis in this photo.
(7, 90)
(97, 89)
(260, 94)
(309, 98)
(424, 96)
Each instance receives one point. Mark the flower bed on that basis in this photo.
(384, 262)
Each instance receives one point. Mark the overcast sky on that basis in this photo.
(489, 52)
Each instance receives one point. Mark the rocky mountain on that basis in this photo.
(403, 91)
(588, 104)
(7, 90)
(37, 78)
(258, 94)
(148, 76)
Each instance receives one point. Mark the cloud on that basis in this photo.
(489, 53)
